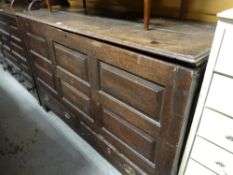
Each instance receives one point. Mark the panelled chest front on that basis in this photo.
(132, 107)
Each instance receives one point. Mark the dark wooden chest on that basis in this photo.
(128, 94)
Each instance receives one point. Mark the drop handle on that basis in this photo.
(220, 164)
(67, 115)
(30, 88)
(129, 170)
(229, 138)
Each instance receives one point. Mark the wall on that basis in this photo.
(201, 10)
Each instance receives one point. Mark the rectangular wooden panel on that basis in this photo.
(71, 60)
(136, 92)
(18, 49)
(141, 142)
(18, 56)
(41, 61)
(76, 97)
(38, 45)
(15, 32)
(146, 67)
(73, 80)
(44, 75)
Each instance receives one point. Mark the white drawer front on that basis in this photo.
(220, 96)
(225, 57)
(213, 157)
(194, 168)
(217, 128)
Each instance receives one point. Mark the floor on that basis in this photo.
(33, 142)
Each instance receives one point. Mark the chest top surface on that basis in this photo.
(188, 42)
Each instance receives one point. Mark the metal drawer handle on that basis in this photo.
(230, 138)
(129, 170)
(109, 151)
(221, 164)
(67, 115)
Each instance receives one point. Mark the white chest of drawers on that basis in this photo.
(209, 149)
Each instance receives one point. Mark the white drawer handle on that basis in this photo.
(230, 138)
(220, 164)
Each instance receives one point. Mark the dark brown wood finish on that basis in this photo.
(14, 51)
(131, 107)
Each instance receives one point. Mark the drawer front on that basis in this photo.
(225, 62)
(142, 143)
(59, 109)
(220, 95)
(109, 151)
(208, 129)
(195, 168)
(212, 156)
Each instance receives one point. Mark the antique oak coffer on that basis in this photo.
(129, 94)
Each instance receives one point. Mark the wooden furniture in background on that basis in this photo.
(147, 11)
(209, 149)
(14, 54)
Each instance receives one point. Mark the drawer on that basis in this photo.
(57, 108)
(195, 168)
(109, 151)
(220, 95)
(225, 62)
(222, 137)
(213, 157)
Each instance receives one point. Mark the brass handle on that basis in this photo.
(221, 164)
(109, 151)
(129, 170)
(67, 115)
(230, 138)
